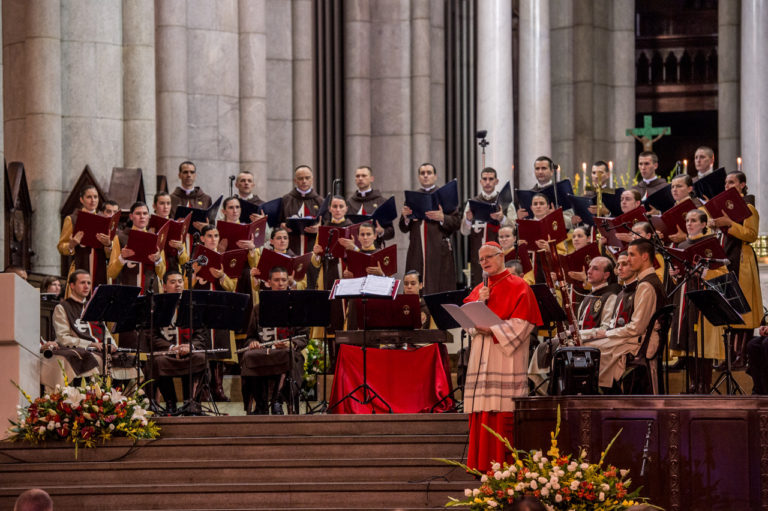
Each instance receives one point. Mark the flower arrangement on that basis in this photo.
(84, 415)
(313, 362)
(560, 482)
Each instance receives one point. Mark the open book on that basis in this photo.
(371, 286)
(473, 315)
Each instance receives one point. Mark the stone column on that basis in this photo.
(303, 93)
(421, 58)
(172, 77)
(728, 50)
(495, 109)
(437, 90)
(2, 156)
(534, 132)
(139, 129)
(253, 92)
(754, 105)
(621, 149)
(582, 50)
(41, 147)
(561, 43)
(357, 88)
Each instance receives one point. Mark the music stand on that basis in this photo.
(214, 310)
(296, 308)
(108, 304)
(444, 321)
(148, 312)
(368, 393)
(551, 312)
(715, 307)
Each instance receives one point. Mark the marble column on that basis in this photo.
(139, 128)
(303, 92)
(728, 50)
(437, 82)
(421, 58)
(172, 78)
(495, 109)
(253, 92)
(754, 104)
(357, 88)
(2, 156)
(620, 148)
(41, 147)
(562, 107)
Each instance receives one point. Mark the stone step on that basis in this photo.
(227, 471)
(205, 496)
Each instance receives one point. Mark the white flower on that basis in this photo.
(542, 479)
(111, 427)
(560, 473)
(467, 492)
(74, 397)
(555, 486)
(544, 460)
(505, 474)
(583, 453)
(139, 414)
(572, 466)
(553, 478)
(497, 475)
(492, 503)
(534, 485)
(558, 498)
(141, 392)
(510, 492)
(51, 426)
(41, 430)
(601, 496)
(574, 485)
(495, 467)
(475, 492)
(519, 487)
(577, 475)
(484, 479)
(513, 469)
(544, 492)
(58, 387)
(541, 465)
(534, 475)
(537, 457)
(529, 475)
(58, 424)
(584, 466)
(605, 487)
(624, 472)
(116, 396)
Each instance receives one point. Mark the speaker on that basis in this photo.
(575, 370)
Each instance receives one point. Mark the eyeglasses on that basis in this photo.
(486, 258)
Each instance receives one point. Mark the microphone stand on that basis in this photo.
(191, 406)
(231, 182)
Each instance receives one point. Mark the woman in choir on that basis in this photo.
(580, 238)
(686, 339)
(682, 189)
(512, 253)
(221, 339)
(540, 207)
(737, 242)
(176, 253)
(630, 200)
(124, 270)
(94, 261)
(366, 236)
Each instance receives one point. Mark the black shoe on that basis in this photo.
(170, 408)
(277, 409)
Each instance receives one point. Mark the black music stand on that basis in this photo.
(108, 304)
(715, 307)
(444, 321)
(306, 308)
(368, 393)
(551, 313)
(148, 312)
(215, 310)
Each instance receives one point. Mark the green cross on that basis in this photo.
(647, 130)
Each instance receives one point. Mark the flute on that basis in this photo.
(271, 343)
(173, 352)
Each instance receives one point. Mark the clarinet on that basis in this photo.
(272, 343)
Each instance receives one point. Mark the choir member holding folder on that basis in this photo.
(512, 254)
(547, 224)
(366, 200)
(739, 232)
(176, 252)
(91, 252)
(136, 257)
(302, 202)
(497, 369)
(281, 255)
(429, 231)
(366, 259)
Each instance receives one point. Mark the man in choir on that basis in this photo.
(187, 194)
(109, 207)
(430, 239)
(302, 201)
(497, 369)
(704, 161)
(544, 170)
(175, 343)
(244, 184)
(633, 315)
(366, 199)
(74, 333)
(595, 309)
(647, 163)
(481, 232)
(123, 267)
(268, 372)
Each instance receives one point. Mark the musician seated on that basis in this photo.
(412, 285)
(271, 367)
(633, 314)
(76, 363)
(757, 361)
(76, 335)
(171, 355)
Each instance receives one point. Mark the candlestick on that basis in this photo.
(610, 173)
(738, 163)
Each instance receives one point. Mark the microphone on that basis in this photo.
(485, 281)
(620, 322)
(710, 260)
(232, 178)
(202, 260)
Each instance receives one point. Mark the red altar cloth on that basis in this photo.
(411, 381)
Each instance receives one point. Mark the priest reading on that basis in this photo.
(497, 370)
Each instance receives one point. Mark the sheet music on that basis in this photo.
(371, 285)
(473, 315)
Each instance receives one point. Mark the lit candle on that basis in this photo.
(584, 176)
(685, 166)
(558, 174)
(738, 163)
(610, 173)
